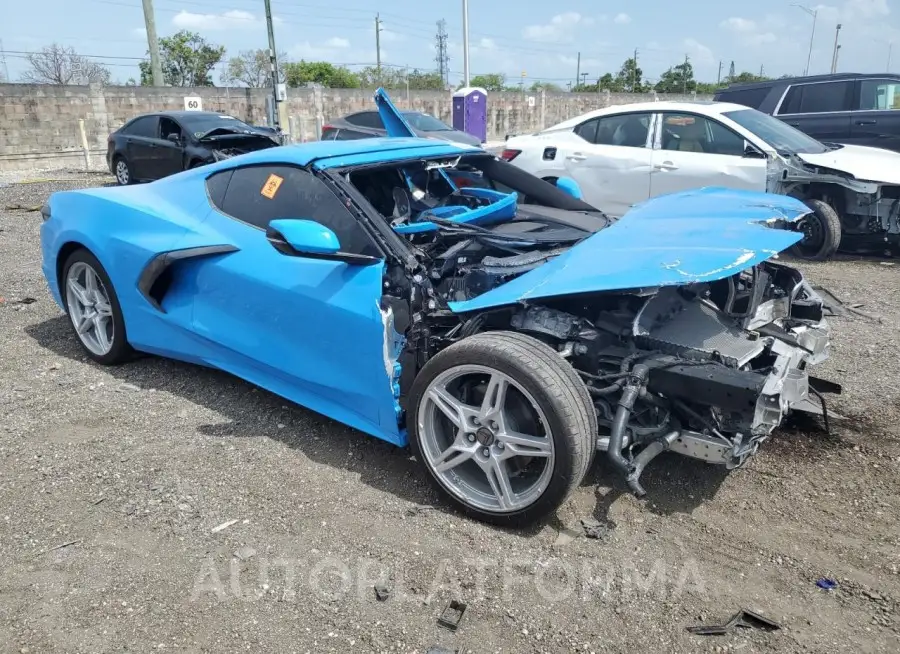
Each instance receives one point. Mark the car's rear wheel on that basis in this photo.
(122, 171)
(94, 310)
(503, 425)
(821, 232)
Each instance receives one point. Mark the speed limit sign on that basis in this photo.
(193, 103)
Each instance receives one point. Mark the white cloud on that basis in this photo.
(622, 19)
(387, 36)
(739, 25)
(561, 28)
(700, 53)
(139, 32)
(337, 42)
(586, 64)
(487, 44)
(749, 32)
(232, 19)
(334, 49)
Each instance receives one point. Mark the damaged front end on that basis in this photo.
(706, 370)
(224, 144)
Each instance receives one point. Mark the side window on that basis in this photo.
(752, 98)
(879, 95)
(216, 186)
(628, 130)
(144, 126)
(692, 133)
(588, 130)
(366, 119)
(257, 195)
(328, 134)
(817, 98)
(168, 126)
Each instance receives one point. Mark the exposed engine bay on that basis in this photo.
(706, 369)
(225, 144)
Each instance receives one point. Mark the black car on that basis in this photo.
(155, 145)
(843, 108)
(367, 124)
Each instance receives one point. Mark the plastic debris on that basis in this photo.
(744, 618)
(452, 615)
(826, 584)
(382, 592)
(224, 525)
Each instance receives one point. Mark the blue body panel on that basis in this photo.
(693, 236)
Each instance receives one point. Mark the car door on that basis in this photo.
(169, 157)
(611, 159)
(821, 109)
(140, 147)
(693, 151)
(307, 328)
(876, 121)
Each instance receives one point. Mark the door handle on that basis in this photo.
(666, 165)
(866, 122)
(576, 156)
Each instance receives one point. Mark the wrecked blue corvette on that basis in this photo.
(432, 294)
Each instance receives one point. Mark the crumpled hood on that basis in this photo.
(234, 133)
(864, 163)
(695, 236)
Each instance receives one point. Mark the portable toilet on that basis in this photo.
(470, 111)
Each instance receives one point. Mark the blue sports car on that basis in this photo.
(432, 294)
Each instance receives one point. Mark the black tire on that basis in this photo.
(822, 233)
(121, 351)
(553, 384)
(120, 160)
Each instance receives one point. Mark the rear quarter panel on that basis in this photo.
(125, 227)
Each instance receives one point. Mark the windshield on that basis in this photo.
(201, 124)
(425, 122)
(779, 135)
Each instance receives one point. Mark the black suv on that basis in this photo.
(843, 108)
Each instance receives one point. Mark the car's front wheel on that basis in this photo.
(821, 232)
(93, 309)
(503, 425)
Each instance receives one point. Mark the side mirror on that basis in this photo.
(173, 138)
(307, 238)
(570, 186)
(752, 152)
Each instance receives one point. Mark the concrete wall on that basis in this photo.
(55, 126)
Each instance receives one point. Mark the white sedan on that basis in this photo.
(620, 156)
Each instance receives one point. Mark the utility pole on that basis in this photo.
(684, 76)
(377, 46)
(815, 15)
(719, 74)
(837, 53)
(153, 42)
(578, 70)
(633, 73)
(273, 65)
(584, 80)
(5, 77)
(761, 69)
(834, 55)
(465, 9)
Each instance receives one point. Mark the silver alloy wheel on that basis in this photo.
(89, 308)
(122, 174)
(497, 456)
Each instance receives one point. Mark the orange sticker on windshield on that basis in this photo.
(270, 188)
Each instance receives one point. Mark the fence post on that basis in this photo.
(84, 144)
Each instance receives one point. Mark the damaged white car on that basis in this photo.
(623, 155)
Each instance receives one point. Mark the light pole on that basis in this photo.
(466, 42)
(834, 55)
(815, 15)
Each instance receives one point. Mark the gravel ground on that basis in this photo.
(158, 505)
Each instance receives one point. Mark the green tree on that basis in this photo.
(186, 59)
(490, 82)
(386, 76)
(745, 78)
(252, 68)
(425, 81)
(548, 87)
(301, 73)
(630, 78)
(609, 83)
(678, 79)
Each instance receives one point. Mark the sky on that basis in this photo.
(538, 39)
